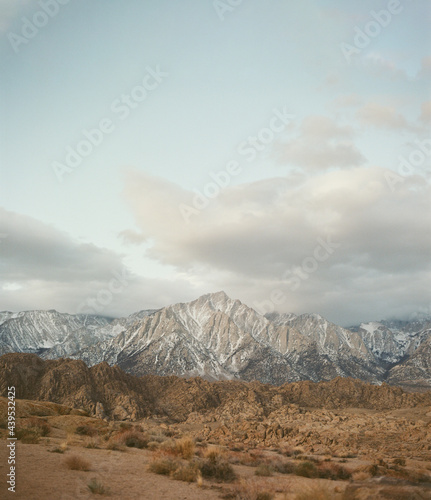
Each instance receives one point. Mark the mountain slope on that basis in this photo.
(52, 335)
(321, 350)
(39, 331)
(217, 337)
(213, 336)
(391, 341)
(415, 371)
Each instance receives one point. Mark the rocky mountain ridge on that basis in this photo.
(51, 334)
(107, 391)
(219, 338)
(40, 331)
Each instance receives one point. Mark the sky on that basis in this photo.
(152, 152)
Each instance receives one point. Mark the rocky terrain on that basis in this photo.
(219, 338)
(155, 437)
(106, 391)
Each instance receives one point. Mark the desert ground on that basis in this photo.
(62, 453)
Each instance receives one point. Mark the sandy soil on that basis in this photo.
(42, 475)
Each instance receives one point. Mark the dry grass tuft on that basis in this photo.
(244, 458)
(40, 424)
(60, 449)
(217, 469)
(86, 430)
(213, 453)
(126, 426)
(282, 467)
(333, 471)
(97, 488)
(188, 473)
(185, 448)
(158, 437)
(251, 490)
(114, 445)
(306, 469)
(263, 470)
(28, 436)
(74, 462)
(164, 466)
(133, 439)
(285, 450)
(153, 445)
(93, 444)
(33, 429)
(167, 448)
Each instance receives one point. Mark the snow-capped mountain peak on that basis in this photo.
(218, 337)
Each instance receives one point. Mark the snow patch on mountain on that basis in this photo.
(221, 338)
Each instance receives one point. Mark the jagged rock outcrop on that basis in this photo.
(107, 389)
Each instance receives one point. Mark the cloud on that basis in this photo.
(347, 101)
(381, 67)
(425, 70)
(75, 297)
(320, 144)
(426, 112)
(381, 116)
(44, 268)
(250, 235)
(332, 80)
(246, 241)
(33, 250)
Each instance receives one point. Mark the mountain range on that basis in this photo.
(218, 338)
(107, 391)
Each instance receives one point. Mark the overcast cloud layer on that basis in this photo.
(255, 233)
(43, 268)
(260, 149)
